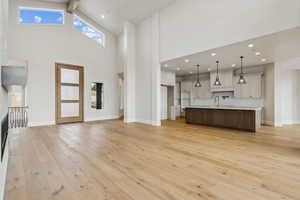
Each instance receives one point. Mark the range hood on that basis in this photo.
(216, 90)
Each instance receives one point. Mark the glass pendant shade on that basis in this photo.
(242, 79)
(198, 84)
(217, 81)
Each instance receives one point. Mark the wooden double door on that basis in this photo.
(69, 85)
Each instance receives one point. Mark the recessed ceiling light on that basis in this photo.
(213, 54)
(264, 60)
(186, 60)
(257, 53)
(178, 69)
(166, 65)
(102, 16)
(250, 45)
(233, 65)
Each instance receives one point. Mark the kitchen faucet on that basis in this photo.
(217, 100)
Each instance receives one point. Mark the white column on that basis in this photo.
(277, 96)
(156, 95)
(282, 83)
(129, 72)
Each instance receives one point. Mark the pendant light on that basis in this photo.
(217, 82)
(198, 84)
(242, 79)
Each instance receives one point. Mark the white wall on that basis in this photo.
(190, 26)
(3, 93)
(43, 45)
(148, 77)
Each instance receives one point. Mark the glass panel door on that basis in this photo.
(69, 93)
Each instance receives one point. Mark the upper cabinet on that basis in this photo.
(168, 78)
(252, 89)
(226, 81)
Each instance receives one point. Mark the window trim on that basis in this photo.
(96, 29)
(42, 9)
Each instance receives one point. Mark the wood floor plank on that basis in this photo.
(111, 160)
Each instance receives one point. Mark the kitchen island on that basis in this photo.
(241, 118)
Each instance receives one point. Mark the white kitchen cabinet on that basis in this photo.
(252, 89)
(168, 78)
(185, 94)
(225, 78)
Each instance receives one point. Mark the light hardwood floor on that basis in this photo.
(110, 160)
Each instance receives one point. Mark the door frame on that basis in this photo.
(58, 101)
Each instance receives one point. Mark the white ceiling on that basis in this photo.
(275, 47)
(54, 1)
(116, 12)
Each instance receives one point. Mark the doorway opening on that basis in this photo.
(69, 93)
(167, 102)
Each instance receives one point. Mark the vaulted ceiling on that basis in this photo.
(111, 14)
(116, 12)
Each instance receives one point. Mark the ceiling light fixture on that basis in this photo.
(191, 72)
(213, 54)
(233, 65)
(209, 69)
(198, 84)
(250, 45)
(217, 81)
(242, 79)
(102, 16)
(264, 60)
(187, 60)
(257, 53)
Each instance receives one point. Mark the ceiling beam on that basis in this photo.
(72, 6)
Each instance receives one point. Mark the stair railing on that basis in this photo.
(18, 117)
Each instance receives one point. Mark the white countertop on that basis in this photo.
(221, 107)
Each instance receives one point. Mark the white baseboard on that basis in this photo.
(109, 117)
(129, 120)
(156, 123)
(144, 121)
(285, 122)
(33, 124)
(148, 122)
(269, 123)
(290, 122)
(101, 118)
